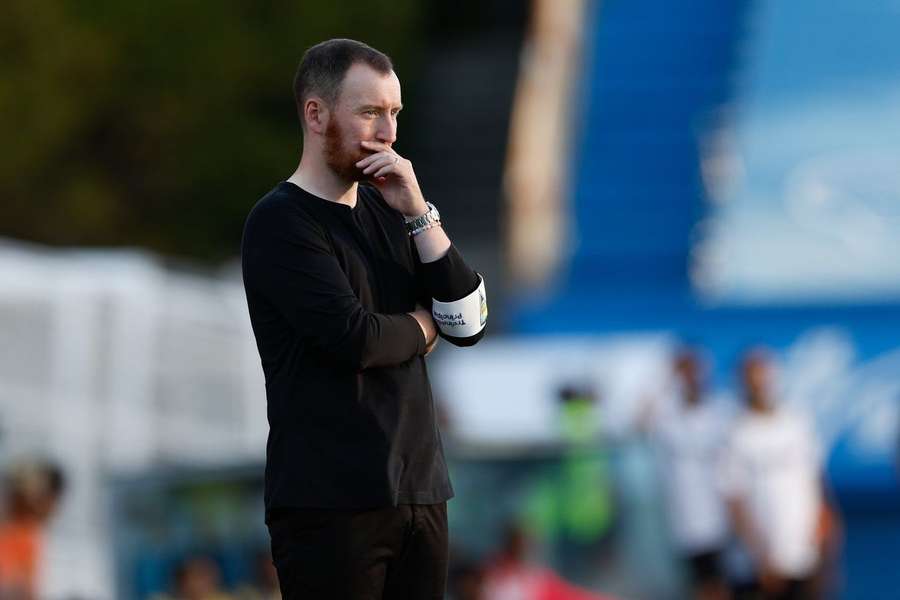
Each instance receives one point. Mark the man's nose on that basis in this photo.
(387, 130)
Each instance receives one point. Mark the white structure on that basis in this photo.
(111, 363)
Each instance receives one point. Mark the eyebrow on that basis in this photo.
(377, 107)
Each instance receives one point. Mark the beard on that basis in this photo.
(340, 159)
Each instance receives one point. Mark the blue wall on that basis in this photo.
(652, 86)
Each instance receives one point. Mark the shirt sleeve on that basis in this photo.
(447, 279)
(288, 261)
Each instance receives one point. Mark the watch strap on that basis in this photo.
(424, 222)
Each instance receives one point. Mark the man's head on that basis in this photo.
(346, 93)
(33, 490)
(688, 367)
(515, 543)
(756, 376)
(196, 578)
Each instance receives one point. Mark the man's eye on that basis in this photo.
(372, 113)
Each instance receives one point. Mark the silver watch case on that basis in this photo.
(432, 216)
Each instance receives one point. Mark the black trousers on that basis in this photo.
(385, 554)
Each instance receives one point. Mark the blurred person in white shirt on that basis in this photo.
(771, 475)
(689, 430)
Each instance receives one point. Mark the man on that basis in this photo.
(350, 278)
(689, 433)
(772, 480)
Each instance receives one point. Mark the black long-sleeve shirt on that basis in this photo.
(351, 416)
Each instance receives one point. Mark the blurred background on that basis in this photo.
(637, 183)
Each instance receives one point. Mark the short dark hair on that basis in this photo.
(323, 67)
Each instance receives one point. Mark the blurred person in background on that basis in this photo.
(466, 581)
(265, 585)
(350, 278)
(572, 506)
(32, 493)
(689, 432)
(772, 478)
(511, 575)
(197, 578)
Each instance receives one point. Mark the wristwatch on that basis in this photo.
(416, 225)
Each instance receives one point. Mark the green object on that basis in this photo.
(573, 499)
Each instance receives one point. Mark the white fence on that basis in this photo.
(110, 362)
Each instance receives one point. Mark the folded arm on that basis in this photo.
(293, 267)
(456, 292)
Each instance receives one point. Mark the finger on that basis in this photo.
(380, 164)
(385, 170)
(370, 158)
(376, 146)
(381, 159)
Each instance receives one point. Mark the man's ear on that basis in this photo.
(315, 113)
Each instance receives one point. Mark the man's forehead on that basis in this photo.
(365, 85)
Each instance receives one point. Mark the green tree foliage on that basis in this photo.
(158, 124)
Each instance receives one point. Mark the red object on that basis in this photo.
(20, 550)
(517, 581)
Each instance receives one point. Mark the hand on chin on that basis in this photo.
(394, 177)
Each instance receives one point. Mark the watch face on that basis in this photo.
(434, 211)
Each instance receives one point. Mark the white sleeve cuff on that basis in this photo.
(462, 318)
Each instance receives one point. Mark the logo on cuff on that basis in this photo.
(449, 320)
(484, 311)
